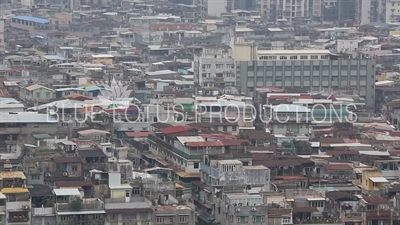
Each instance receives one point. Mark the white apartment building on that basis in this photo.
(354, 46)
(214, 7)
(2, 44)
(369, 11)
(287, 9)
(215, 67)
(392, 11)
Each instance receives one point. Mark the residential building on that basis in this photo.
(13, 186)
(293, 119)
(42, 204)
(2, 41)
(172, 214)
(214, 67)
(214, 8)
(37, 93)
(373, 183)
(70, 208)
(392, 13)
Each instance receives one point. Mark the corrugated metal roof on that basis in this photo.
(32, 19)
(27, 118)
(41, 136)
(205, 144)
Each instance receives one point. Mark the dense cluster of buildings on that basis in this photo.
(199, 112)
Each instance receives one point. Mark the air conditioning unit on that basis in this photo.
(25, 207)
(237, 210)
(65, 174)
(47, 175)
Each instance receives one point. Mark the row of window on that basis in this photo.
(292, 57)
(314, 78)
(182, 219)
(308, 68)
(218, 66)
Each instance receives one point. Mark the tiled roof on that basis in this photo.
(175, 129)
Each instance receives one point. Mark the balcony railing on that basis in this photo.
(211, 171)
(17, 219)
(86, 205)
(43, 211)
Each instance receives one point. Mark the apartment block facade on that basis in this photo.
(315, 75)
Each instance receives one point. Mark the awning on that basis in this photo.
(379, 180)
(14, 190)
(178, 186)
(186, 175)
(41, 136)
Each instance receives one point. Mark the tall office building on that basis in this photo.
(315, 70)
(338, 10)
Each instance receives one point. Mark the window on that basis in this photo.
(196, 165)
(96, 137)
(74, 168)
(325, 57)
(242, 219)
(37, 94)
(160, 220)
(35, 177)
(127, 194)
(183, 219)
(303, 57)
(293, 57)
(281, 126)
(143, 216)
(135, 191)
(171, 219)
(286, 220)
(314, 57)
(283, 57)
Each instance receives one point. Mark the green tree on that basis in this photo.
(302, 147)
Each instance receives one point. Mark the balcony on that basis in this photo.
(92, 204)
(18, 206)
(43, 211)
(378, 214)
(70, 174)
(211, 171)
(17, 219)
(351, 216)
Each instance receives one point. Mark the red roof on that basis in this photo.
(175, 129)
(205, 144)
(228, 142)
(137, 134)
